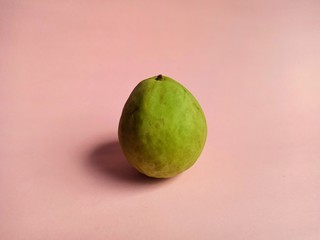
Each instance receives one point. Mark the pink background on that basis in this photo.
(66, 69)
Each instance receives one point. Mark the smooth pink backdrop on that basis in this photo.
(66, 70)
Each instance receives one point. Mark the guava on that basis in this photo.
(162, 129)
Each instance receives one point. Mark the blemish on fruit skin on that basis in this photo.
(197, 106)
(161, 98)
(157, 125)
(135, 110)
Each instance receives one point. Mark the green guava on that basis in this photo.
(162, 129)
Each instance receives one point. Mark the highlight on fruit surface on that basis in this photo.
(162, 129)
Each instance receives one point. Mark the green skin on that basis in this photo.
(162, 129)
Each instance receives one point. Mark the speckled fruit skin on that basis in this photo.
(162, 129)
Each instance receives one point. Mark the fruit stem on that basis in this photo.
(159, 77)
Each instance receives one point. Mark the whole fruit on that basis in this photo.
(162, 129)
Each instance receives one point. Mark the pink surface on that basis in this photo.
(66, 69)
